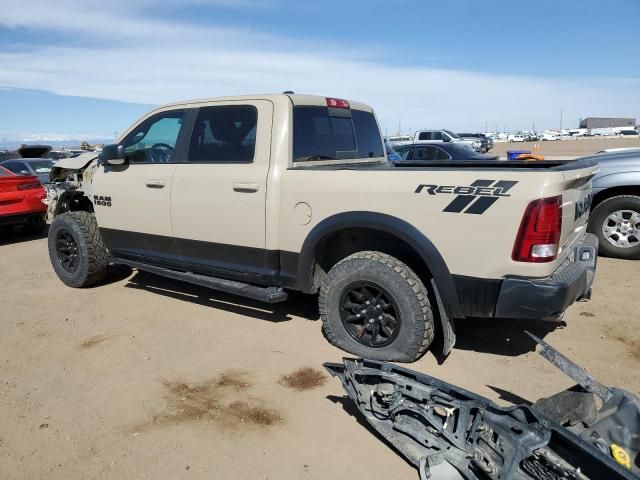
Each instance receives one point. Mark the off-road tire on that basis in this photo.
(92, 254)
(600, 213)
(35, 226)
(404, 286)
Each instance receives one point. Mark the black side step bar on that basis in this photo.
(262, 294)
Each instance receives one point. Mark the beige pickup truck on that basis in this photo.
(260, 195)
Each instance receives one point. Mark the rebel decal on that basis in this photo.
(474, 199)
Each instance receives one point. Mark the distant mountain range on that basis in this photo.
(55, 144)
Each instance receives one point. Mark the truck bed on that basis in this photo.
(554, 165)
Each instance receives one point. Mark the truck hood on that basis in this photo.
(76, 163)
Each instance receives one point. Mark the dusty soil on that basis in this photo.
(574, 147)
(144, 377)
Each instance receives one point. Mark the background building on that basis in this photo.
(602, 122)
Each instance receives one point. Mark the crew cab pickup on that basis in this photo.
(261, 195)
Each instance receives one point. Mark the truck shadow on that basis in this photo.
(495, 336)
(498, 336)
(11, 236)
(298, 304)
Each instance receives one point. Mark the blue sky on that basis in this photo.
(88, 68)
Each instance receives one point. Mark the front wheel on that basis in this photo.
(375, 306)
(616, 223)
(76, 250)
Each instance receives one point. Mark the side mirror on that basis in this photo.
(446, 139)
(113, 154)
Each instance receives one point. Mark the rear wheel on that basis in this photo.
(616, 223)
(76, 250)
(375, 306)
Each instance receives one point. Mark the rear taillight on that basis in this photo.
(538, 239)
(337, 103)
(28, 186)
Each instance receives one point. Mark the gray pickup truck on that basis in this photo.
(615, 210)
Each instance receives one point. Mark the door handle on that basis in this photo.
(245, 187)
(154, 183)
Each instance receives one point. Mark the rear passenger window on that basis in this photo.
(440, 154)
(224, 134)
(321, 133)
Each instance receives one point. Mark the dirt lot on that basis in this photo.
(148, 378)
(575, 147)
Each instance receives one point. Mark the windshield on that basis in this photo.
(41, 166)
(451, 134)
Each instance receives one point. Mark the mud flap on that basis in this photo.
(447, 324)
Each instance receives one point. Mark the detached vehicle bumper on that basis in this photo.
(547, 298)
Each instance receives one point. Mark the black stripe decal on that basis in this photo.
(506, 185)
(459, 203)
(482, 183)
(481, 205)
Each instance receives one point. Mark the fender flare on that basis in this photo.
(389, 224)
(618, 179)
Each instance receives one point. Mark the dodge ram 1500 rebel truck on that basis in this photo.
(259, 195)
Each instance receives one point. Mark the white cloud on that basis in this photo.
(143, 59)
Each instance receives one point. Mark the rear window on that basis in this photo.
(41, 166)
(322, 133)
(3, 172)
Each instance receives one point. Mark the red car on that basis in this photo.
(21, 202)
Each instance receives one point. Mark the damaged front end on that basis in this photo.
(450, 433)
(69, 187)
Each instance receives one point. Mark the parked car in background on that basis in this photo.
(21, 202)
(34, 151)
(392, 155)
(38, 167)
(548, 137)
(446, 136)
(486, 141)
(417, 152)
(532, 137)
(399, 139)
(628, 133)
(516, 137)
(615, 208)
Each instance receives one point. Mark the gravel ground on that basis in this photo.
(144, 377)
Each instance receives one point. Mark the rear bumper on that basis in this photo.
(531, 298)
(545, 298)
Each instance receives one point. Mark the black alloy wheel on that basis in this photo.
(369, 314)
(67, 251)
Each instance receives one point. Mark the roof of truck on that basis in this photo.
(296, 99)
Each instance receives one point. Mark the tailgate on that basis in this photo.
(576, 204)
